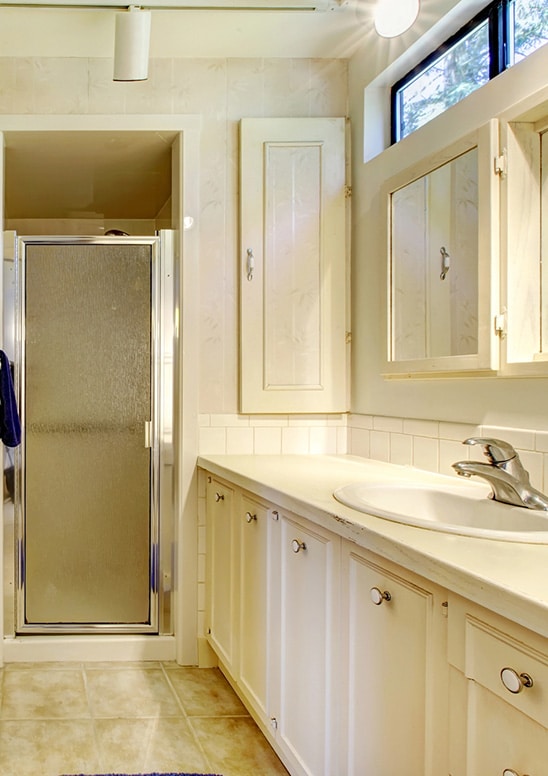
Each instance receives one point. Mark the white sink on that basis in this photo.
(463, 509)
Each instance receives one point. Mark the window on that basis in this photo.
(505, 32)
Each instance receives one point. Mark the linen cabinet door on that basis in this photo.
(390, 658)
(255, 607)
(305, 713)
(293, 265)
(222, 566)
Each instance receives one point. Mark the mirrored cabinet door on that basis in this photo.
(524, 244)
(442, 261)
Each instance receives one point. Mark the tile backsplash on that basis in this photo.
(426, 444)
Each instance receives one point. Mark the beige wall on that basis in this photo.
(221, 91)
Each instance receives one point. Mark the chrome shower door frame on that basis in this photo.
(159, 438)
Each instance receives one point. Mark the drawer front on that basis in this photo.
(489, 652)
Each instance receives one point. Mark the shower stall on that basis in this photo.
(93, 350)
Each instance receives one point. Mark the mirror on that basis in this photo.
(434, 279)
(440, 259)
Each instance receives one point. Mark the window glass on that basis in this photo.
(503, 33)
(530, 27)
(456, 73)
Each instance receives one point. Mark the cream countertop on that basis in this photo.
(508, 578)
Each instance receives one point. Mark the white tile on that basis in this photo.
(267, 441)
(425, 453)
(384, 423)
(239, 441)
(201, 539)
(295, 440)
(450, 452)
(229, 419)
(342, 440)
(517, 437)
(457, 431)
(425, 428)
(359, 442)
(541, 441)
(307, 420)
(360, 421)
(401, 449)
(380, 445)
(204, 419)
(534, 464)
(276, 421)
(323, 440)
(212, 441)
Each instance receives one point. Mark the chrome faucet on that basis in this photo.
(504, 472)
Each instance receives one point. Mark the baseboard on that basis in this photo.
(37, 649)
(206, 656)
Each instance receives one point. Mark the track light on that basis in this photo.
(131, 45)
(394, 17)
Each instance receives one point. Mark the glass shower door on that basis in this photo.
(87, 527)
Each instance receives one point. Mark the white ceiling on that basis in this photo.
(87, 174)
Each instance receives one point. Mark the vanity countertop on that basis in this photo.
(508, 578)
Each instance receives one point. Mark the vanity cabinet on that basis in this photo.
(396, 702)
(504, 673)
(272, 620)
(221, 570)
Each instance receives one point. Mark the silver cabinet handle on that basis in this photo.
(249, 517)
(297, 545)
(219, 497)
(378, 596)
(250, 264)
(511, 772)
(513, 681)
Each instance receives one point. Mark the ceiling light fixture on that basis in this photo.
(394, 17)
(131, 44)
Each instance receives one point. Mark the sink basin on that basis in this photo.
(463, 509)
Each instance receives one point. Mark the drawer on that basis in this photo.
(488, 652)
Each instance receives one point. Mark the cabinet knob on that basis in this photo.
(513, 681)
(249, 517)
(297, 545)
(378, 595)
(219, 497)
(511, 772)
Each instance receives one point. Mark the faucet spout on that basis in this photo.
(504, 472)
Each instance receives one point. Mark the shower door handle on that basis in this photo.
(148, 433)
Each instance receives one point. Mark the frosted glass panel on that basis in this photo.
(87, 396)
(292, 268)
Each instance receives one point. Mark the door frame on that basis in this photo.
(183, 647)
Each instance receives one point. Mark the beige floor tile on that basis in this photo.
(43, 693)
(236, 747)
(204, 692)
(130, 693)
(47, 747)
(144, 745)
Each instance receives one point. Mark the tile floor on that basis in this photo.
(71, 718)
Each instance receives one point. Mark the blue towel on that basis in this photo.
(10, 425)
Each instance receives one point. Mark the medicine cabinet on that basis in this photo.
(524, 243)
(442, 227)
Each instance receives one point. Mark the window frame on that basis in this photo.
(497, 13)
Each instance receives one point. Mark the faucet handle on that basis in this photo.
(496, 450)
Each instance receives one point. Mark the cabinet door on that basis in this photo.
(254, 603)
(390, 659)
(293, 265)
(502, 740)
(306, 715)
(221, 571)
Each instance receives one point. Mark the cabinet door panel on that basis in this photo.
(502, 738)
(221, 570)
(308, 630)
(293, 265)
(388, 681)
(254, 608)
